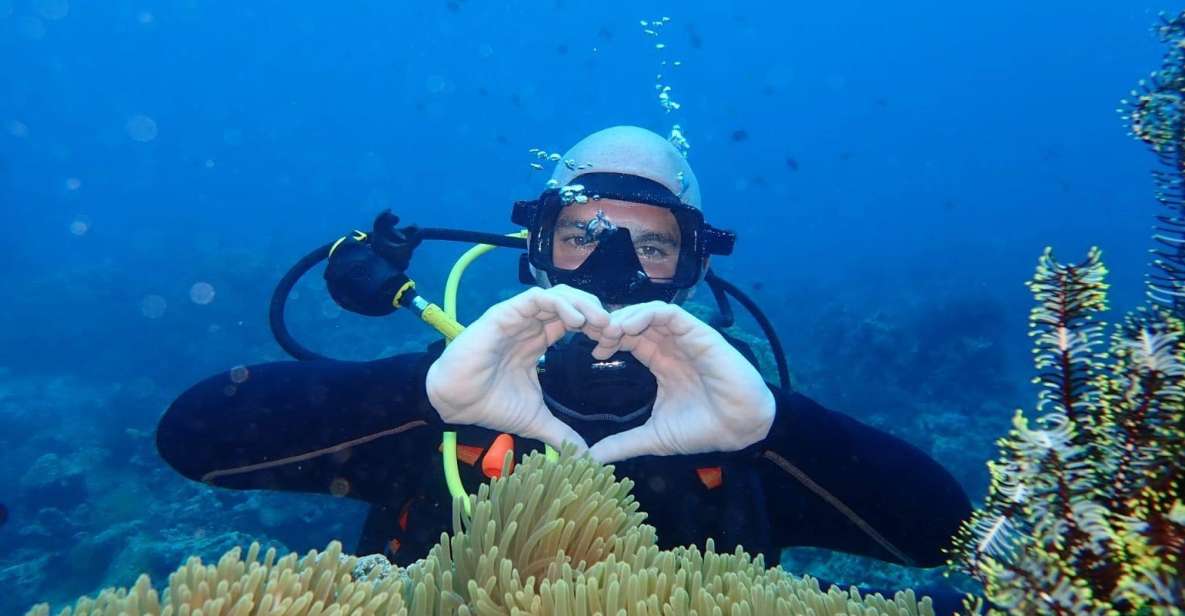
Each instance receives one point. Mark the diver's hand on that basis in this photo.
(710, 398)
(486, 376)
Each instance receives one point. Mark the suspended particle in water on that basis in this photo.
(239, 374)
(437, 84)
(80, 226)
(153, 306)
(141, 128)
(330, 309)
(142, 387)
(17, 129)
(339, 487)
(201, 293)
(53, 10)
(145, 18)
(73, 184)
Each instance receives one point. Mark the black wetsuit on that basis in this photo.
(367, 430)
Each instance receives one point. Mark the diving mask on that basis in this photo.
(624, 238)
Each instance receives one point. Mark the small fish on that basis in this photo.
(740, 135)
(561, 49)
(791, 163)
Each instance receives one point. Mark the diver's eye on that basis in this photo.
(577, 240)
(651, 252)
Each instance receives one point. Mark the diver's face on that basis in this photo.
(654, 231)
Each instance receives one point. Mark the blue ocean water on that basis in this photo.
(893, 170)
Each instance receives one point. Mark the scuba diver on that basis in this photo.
(598, 354)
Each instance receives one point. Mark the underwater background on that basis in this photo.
(893, 171)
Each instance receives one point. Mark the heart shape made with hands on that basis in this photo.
(709, 397)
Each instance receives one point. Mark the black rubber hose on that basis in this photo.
(726, 318)
(275, 313)
(472, 237)
(774, 343)
(283, 288)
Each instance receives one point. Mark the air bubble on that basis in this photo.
(153, 306)
(201, 293)
(17, 129)
(330, 309)
(339, 487)
(141, 128)
(80, 226)
(239, 374)
(53, 9)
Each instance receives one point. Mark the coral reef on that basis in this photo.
(1086, 509)
(90, 503)
(551, 538)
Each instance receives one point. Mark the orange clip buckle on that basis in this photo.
(491, 464)
(711, 476)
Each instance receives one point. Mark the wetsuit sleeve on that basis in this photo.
(832, 482)
(347, 428)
